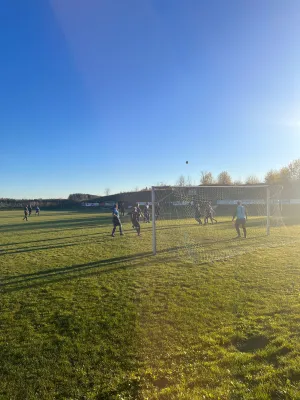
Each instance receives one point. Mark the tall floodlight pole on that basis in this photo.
(153, 221)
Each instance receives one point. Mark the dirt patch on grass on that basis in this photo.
(161, 383)
(294, 376)
(252, 344)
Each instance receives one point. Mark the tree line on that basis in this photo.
(82, 196)
(284, 176)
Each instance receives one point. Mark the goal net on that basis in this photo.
(196, 221)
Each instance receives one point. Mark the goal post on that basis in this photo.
(153, 221)
(268, 209)
(177, 205)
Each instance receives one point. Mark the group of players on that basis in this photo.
(204, 209)
(28, 211)
(135, 216)
(136, 213)
(208, 213)
(240, 216)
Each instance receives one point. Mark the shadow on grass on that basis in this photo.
(95, 235)
(62, 245)
(62, 223)
(74, 268)
(7, 216)
(54, 275)
(50, 276)
(79, 242)
(53, 239)
(202, 242)
(38, 248)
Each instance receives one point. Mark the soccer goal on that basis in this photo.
(196, 221)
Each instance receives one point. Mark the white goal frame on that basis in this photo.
(154, 188)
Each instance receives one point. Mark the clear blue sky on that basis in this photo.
(119, 94)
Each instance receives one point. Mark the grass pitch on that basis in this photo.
(87, 316)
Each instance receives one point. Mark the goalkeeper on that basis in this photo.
(241, 218)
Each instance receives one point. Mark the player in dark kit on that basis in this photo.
(139, 211)
(134, 215)
(122, 208)
(147, 213)
(157, 211)
(198, 214)
(30, 210)
(37, 211)
(116, 221)
(25, 213)
(209, 212)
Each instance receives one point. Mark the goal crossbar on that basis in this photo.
(210, 187)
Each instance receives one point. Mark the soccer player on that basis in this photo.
(116, 221)
(37, 211)
(139, 211)
(147, 213)
(30, 209)
(122, 208)
(157, 211)
(209, 212)
(198, 214)
(25, 213)
(134, 215)
(241, 218)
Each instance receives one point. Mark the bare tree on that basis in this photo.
(181, 181)
(224, 178)
(107, 191)
(206, 178)
(188, 181)
(162, 183)
(238, 182)
(252, 180)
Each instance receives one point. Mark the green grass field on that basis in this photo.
(87, 316)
